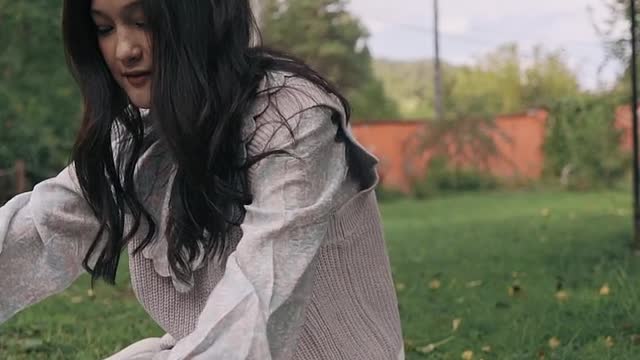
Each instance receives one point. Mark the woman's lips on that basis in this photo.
(137, 80)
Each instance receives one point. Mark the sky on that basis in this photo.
(402, 29)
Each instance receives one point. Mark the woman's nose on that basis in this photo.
(128, 51)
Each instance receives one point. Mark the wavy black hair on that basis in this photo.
(208, 65)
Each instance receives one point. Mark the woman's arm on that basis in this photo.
(44, 235)
(257, 308)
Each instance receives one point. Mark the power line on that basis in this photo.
(470, 39)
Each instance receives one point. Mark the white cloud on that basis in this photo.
(402, 29)
(456, 25)
(375, 26)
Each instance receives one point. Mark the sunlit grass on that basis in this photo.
(519, 276)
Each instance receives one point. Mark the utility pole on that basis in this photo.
(634, 112)
(437, 68)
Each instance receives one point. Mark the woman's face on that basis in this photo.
(125, 44)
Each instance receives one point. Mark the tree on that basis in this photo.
(497, 82)
(614, 32)
(549, 79)
(332, 41)
(500, 83)
(410, 85)
(39, 103)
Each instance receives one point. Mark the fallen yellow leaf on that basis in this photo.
(432, 347)
(473, 284)
(76, 299)
(409, 343)
(400, 286)
(467, 355)
(486, 348)
(605, 290)
(562, 296)
(608, 341)
(426, 349)
(554, 343)
(545, 212)
(456, 324)
(435, 284)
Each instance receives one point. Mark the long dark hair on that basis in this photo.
(207, 72)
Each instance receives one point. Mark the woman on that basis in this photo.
(228, 172)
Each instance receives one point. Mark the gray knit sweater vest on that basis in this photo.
(353, 311)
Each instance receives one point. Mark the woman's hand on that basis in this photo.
(145, 349)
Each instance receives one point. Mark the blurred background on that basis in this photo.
(504, 133)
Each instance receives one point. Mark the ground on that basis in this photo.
(536, 275)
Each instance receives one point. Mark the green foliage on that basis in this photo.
(460, 150)
(615, 34)
(497, 82)
(370, 103)
(332, 41)
(442, 177)
(7, 186)
(494, 85)
(582, 146)
(410, 85)
(548, 79)
(39, 102)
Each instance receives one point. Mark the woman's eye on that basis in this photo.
(141, 24)
(103, 30)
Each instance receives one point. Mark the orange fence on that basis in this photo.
(518, 139)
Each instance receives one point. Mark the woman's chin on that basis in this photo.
(140, 103)
(139, 97)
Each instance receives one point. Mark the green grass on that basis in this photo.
(75, 325)
(476, 246)
(504, 240)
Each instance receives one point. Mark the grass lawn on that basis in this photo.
(505, 276)
(495, 263)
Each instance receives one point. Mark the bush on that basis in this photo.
(582, 145)
(441, 177)
(385, 194)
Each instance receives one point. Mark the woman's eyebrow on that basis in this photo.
(126, 10)
(96, 12)
(132, 7)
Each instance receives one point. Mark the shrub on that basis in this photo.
(582, 145)
(441, 177)
(386, 194)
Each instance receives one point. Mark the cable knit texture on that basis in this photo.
(307, 276)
